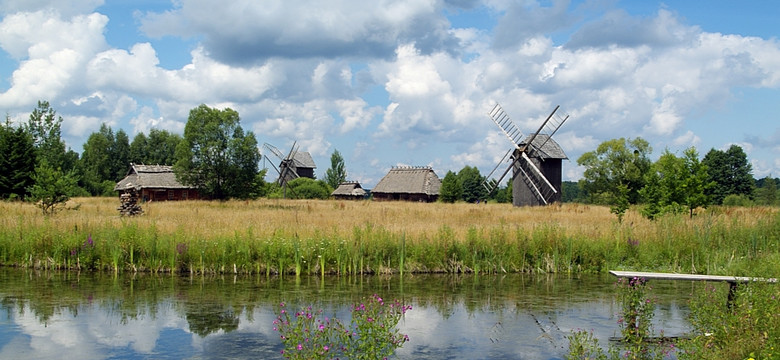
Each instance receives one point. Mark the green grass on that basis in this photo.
(726, 241)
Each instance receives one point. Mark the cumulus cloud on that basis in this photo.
(392, 76)
(247, 31)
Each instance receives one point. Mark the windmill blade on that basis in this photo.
(499, 116)
(538, 172)
(530, 140)
(490, 186)
(532, 185)
(274, 151)
(272, 164)
(552, 125)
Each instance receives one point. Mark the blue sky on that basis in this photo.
(406, 82)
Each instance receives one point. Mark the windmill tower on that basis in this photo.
(291, 166)
(535, 161)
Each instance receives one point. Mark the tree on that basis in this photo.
(139, 149)
(730, 172)
(471, 184)
(614, 163)
(450, 190)
(17, 162)
(120, 155)
(663, 190)
(45, 127)
(336, 174)
(766, 191)
(696, 181)
(99, 168)
(675, 184)
(157, 148)
(52, 188)
(216, 156)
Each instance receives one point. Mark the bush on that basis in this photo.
(737, 200)
(371, 334)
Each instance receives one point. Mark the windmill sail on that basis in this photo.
(530, 175)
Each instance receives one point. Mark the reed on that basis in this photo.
(300, 237)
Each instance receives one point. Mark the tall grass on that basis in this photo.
(296, 237)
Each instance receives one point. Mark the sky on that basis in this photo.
(407, 82)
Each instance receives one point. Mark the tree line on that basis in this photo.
(619, 173)
(222, 160)
(215, 155)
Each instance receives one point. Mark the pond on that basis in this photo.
(146, 316)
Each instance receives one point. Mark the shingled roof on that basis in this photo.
(550, 150)
(150, 176)
(409, 180)
(304, 160)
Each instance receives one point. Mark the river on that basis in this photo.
(55, 315)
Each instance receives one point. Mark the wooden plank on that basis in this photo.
(692, 277)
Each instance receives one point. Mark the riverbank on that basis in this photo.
(341, 237)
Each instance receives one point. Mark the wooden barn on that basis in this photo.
(155, 183)
(350, 190)
(549, 160)
(409, 183)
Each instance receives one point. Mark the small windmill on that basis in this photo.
(535, 160)
(291, 166)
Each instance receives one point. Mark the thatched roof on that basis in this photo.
(150, 176)
(550, 150)
(409, 180)
(350, 188)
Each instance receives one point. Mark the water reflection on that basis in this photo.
(102, 316)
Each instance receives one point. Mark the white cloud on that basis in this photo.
(51, 51)
(246, 31)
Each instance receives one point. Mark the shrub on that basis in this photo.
(371, 334)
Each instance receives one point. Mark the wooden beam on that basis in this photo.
(692, 277)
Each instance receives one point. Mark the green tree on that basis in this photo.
(159, 147)
(766, 191)
(615, 162)
(696, 181)
(730, 172)
(139, 150)
(216, 156)
(52, 188)
(450, 190)
(99, 168)
(120, 155)
(664, 189)
(571, 192)
(620, 203)
(504, 194)
(45, 127)
(471, 184)
(17, 161)
(674, 184)
(337, 173)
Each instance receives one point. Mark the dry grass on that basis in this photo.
(438, 237)
(308, 218)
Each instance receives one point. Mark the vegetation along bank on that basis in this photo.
(319, 237)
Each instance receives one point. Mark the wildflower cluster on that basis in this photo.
(371, 334)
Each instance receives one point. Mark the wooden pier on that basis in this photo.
(732, 280)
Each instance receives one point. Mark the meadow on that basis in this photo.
(317, 237)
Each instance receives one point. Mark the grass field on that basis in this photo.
(340, 237)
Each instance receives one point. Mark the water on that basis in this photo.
(105, 316)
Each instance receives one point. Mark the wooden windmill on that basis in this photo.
(534, 160)
(291, 166)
